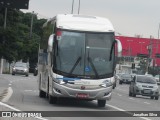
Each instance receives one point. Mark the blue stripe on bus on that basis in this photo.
(71, 79)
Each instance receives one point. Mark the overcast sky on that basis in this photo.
(129, 17)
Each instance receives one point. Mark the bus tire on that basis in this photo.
(42, 94)
(52, 100)
(101, 103)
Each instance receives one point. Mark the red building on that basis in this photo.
(132, 46)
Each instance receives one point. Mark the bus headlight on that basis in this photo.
(106, 83)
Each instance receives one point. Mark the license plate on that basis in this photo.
(147, 91)
(82, 95)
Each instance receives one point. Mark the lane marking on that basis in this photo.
(9, 84)
(131, 98)
(9, 94)
(121, 89)
(147, 103)
(125, 111)
(119, 94)
(28, 90)
(117, 108)
(15, 109)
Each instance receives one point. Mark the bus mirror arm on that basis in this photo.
(50, 42)
(119, 46)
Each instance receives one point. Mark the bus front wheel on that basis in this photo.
(52, 100)
(101, 103)
(42, 94)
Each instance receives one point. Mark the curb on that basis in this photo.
(3, 94)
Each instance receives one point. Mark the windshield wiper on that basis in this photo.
(110, 56)
(92, 65)
(74, 66)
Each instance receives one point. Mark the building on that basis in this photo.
(137, 46)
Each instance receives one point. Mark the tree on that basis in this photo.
(15, 41)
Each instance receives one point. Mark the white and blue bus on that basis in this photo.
(77, 58)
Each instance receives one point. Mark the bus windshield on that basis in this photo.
(84, 54)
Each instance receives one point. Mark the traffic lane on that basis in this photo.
(4, 87)
(95, 118)
(4, 82)
(133, 103)
(29, 95)
(130, 105)
(26, 99)
(25, 96)
(124, 90)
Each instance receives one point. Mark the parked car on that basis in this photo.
(157, 77)
(118, 75)
(32, 67)
(20, 68)
(125, 78)
(145, 86)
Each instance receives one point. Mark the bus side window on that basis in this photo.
(43, 58)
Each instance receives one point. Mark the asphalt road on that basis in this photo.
(23, 96)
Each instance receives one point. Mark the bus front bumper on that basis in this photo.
(94, 94)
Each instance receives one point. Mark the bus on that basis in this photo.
(77, 58)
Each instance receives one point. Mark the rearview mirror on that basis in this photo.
(50, 42)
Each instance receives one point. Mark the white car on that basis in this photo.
(20, 68)
(157, 77)
(113, 81)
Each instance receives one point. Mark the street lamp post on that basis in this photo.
(157, 42)
(79, 7)
(5, 19)
(141, 46)
(72, 6)
(129, 53)
(31, 27)
(158, 30)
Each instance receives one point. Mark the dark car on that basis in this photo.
(20, 68)
(32, 67)
(145, 86)
(35, 71)
(125, 78)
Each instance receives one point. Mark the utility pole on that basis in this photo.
(157, 43)
(31, 25)
(150, 48)
(79, 6)
(130, 52)
(72, 6)
(5, 20)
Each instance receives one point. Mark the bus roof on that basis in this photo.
(83, 23)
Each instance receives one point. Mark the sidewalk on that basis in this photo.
(3, 90)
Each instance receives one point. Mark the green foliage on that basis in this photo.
(15, 41)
